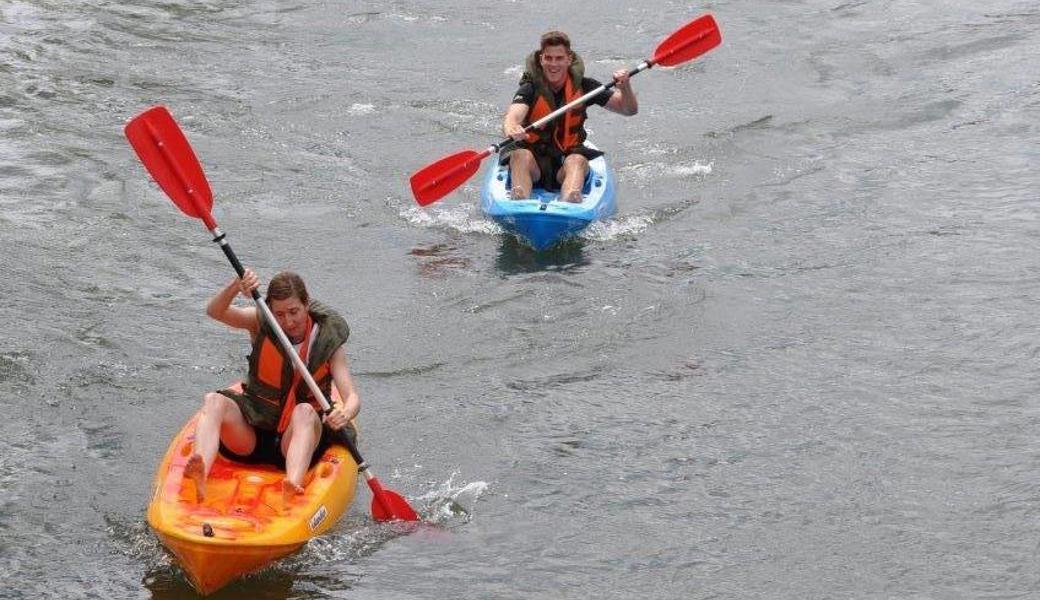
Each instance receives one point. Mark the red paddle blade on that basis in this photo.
(693, 39)
(388, 505)
(166, 153)
(436, 180)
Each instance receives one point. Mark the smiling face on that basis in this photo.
(291, 315)
(555, 61)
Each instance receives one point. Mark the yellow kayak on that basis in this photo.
(242, 526)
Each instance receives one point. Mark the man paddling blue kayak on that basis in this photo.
(439, 178)
(555, 156)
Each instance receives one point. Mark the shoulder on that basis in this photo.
(524, 94)
(588, 84)
(329, 321)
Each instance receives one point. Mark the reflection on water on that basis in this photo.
(438, 260)
(273, 583)
(515, 256)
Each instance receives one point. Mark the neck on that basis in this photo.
(557, 85)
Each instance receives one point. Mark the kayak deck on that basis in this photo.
(543, 219)
(243, 524)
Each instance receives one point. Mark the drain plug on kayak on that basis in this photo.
(207, 530)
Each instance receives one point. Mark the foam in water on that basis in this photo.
(464, 220)
(604, 231)
(693, 170)
(361, 109)
(460, 218)
(650, 170)
(135, 540)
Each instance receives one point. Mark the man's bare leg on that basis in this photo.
(572, 177)
(523, 170)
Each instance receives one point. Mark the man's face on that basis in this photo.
(555, 61)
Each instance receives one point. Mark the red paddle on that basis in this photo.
(168, 156)
(436, 180)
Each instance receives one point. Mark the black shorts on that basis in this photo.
(551, 163)
(268, 449)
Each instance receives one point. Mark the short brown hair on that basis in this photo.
(555, 38)
(287, 285)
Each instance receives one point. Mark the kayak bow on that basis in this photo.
(543, 219)
(243, 526)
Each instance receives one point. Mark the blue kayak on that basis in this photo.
(543, 219)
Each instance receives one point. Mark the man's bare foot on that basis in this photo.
(520, 193)
(195, 470)
(574, 197)
(289, 491)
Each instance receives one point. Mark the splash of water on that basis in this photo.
(605, 231)
(460, 218)
(452, 502)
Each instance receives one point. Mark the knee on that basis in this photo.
(214, 403)
(576, 161)
(521, 157)
(304, 414)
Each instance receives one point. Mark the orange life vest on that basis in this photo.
(273, 386)
(567, 131)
